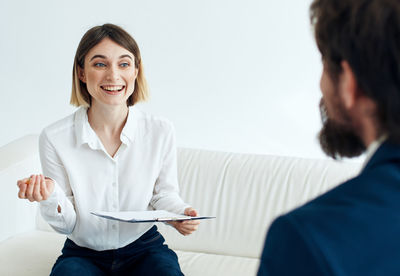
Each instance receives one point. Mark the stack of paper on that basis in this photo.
(145, 216)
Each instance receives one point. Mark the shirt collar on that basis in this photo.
(83, 131)
(372, 149)
(85, 134)
(130, 128)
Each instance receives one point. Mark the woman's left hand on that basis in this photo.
(187, 227)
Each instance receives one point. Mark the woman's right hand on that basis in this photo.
(35, 188)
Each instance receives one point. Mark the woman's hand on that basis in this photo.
(35, 188)
(187, 227)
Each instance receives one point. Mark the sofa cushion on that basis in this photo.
(204, 264)
(35, 252)
(31, 253)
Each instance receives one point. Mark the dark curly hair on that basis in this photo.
(366, 34)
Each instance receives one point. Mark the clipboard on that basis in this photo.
(146, 216)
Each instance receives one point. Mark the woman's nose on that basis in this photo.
(112, 73)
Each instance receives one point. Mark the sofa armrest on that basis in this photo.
(18, 159)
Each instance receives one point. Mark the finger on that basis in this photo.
(22, 181)
(189, 228)
(192, 222)
(182, 231)
(189, 211)
(43, 188)
(29, 189)
(23, 185)
(22, 190)
(37, 196)
(172, 223)
(186, 232)
(28, 184)
(191, 225)
(193, 213)
(176, 224)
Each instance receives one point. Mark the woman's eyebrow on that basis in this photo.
(104, 57)
(123, 56)
(97, 56)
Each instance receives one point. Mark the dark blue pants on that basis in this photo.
(148, 255)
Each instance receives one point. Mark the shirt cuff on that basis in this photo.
(49, 207)
(183, 208)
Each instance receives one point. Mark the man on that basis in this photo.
(354, 229)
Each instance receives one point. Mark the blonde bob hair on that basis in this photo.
(79, 94)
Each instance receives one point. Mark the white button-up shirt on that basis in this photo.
(372, 148)
(142, 175)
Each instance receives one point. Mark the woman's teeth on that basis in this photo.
(113, 88)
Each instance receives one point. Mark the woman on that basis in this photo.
(108, 156)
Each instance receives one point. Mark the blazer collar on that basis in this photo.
(387, 152)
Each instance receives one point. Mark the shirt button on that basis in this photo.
(114, 227)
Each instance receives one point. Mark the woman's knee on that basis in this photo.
(75, 266)
(162, 263)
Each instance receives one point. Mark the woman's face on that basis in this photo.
(109, 73)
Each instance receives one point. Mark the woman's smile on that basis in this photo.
(113, 89)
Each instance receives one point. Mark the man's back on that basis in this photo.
(351, 230)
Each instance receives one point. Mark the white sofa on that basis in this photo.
(244, 191)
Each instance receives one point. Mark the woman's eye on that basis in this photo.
(124, 64)
(99, 64)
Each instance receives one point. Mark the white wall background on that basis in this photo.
(237, 76)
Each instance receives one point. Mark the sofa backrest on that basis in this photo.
(246, 192)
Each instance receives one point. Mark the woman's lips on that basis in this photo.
(112, 89)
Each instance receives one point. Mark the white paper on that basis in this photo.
(145, 216)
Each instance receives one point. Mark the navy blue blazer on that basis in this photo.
(354, 229)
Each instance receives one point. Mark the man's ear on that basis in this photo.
(349, 87)
(81, 74)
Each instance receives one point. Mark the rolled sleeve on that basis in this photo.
(62, 196)
(166, 189)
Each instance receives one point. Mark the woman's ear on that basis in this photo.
(349, 87)
(81, 74)
(136, 72)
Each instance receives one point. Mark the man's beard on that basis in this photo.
(338, 139)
